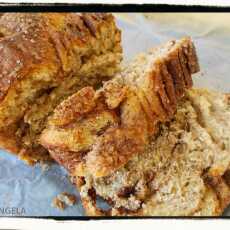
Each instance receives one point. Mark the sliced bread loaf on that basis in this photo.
(97, 132)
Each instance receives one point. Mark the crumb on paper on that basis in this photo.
(67, 198)
(72, 179)
(45, 167)
(64, 199)
(56, 203)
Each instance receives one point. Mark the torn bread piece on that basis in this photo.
(97, 132)
(45, 57)
(183, 171)
(64, 199)
(58, 204)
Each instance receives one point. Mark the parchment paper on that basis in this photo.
(32, 189)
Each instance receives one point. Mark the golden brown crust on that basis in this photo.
(8, 142)
(161, 89)
(83, 102)
(62, 141)
(138, 104)
(227, 98)
(42, 52)
(185, 70)
(36, 39)
(28, 32)
(114, 93)
(151, 86)
(169, 86)
(174, 68)
(192, 60)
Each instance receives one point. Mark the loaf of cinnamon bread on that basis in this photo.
(45, 57)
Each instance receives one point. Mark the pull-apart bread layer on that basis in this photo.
(183, 171)
(97, 132)
(45, 57)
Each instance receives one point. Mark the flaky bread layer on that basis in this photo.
(144, 94)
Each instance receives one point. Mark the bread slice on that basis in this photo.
(97, 132)
(45, 57)
(183, 171)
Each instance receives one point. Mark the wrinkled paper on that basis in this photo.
(29, 191)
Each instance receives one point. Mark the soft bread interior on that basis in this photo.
(170, 177)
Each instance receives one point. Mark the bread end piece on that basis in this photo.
(44, 58)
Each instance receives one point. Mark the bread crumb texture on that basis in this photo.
(184, 171)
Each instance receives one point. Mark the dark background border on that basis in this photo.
(118, 8)
(60, 7)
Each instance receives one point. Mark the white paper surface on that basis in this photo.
(31, 189)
